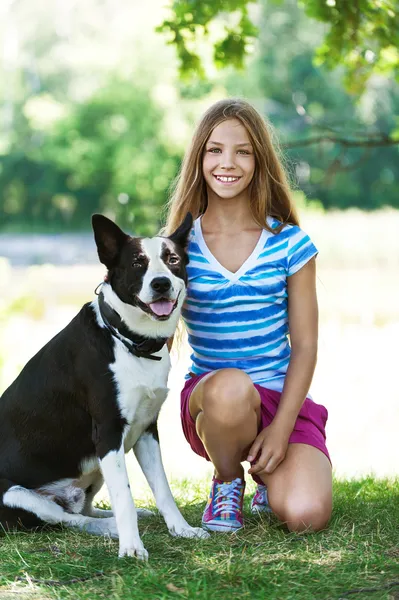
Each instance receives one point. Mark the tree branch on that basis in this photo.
(381, 141)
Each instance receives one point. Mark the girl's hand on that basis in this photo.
(272, 443)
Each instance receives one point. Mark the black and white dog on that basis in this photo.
(93, 393)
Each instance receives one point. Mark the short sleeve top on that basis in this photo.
(240, 319)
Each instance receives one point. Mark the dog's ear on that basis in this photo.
(180, 236)
(109, 239)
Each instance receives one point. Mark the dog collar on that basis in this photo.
(139, 345)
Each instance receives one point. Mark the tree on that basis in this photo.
(87, 129)
(83, 127)
(306, 102)
(105, 155)
(362, 36)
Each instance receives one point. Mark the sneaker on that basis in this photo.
(223, 511)
(260, 502)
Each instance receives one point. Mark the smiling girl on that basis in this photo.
(252, 320)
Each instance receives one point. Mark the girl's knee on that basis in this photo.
(307, 514)
(310, 518)
(229, 393)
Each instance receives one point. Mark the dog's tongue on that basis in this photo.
(162, 307)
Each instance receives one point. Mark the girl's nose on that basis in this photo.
(227, 161)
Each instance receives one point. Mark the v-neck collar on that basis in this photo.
(247, 264)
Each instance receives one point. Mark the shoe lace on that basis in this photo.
(228, 497)
(261, 493)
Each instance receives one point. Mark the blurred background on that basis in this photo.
(98, 101)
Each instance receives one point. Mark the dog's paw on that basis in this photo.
(143, 513)
(105, 527)
(189, 532)
(134, 551)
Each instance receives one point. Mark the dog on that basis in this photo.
(94, 392)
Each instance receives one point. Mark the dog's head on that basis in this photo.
(146, 276)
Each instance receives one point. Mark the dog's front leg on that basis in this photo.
(113, 467)
(148, 454)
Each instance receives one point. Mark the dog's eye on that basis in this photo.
(173, 259)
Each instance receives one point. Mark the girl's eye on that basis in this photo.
(218, 151)
(173, 260)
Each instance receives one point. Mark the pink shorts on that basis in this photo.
(309, 427)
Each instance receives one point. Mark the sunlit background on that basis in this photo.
(95, 118)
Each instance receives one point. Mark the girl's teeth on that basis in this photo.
(227, 179)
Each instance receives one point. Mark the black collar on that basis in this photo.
(139, 345)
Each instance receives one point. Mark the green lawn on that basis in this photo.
(357, 557)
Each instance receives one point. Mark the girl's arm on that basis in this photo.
(303, 316)
(303, 327)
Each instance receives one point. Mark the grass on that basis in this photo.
(356, 557)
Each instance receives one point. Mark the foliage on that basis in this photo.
(303, 100)
(105, 155)
(363, 36)
(83, 131)
(190, 18)
(105, 130)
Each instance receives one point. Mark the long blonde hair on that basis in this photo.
(270, 193)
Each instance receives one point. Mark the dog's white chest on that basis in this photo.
(141, 389)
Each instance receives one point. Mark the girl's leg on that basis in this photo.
(300, 489)
(225, 406)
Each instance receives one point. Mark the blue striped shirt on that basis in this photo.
(241, 319)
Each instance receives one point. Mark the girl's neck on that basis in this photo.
(228, 215)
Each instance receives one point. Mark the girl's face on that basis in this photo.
(229, 163)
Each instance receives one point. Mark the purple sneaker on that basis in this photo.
(260, 502)
(223, 511)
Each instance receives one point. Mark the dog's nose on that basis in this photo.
(161, 284)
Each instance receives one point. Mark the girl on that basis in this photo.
(251, 283)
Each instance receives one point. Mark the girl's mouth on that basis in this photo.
(227, 179)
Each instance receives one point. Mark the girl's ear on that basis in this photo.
(109, 239)
(180, 236)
